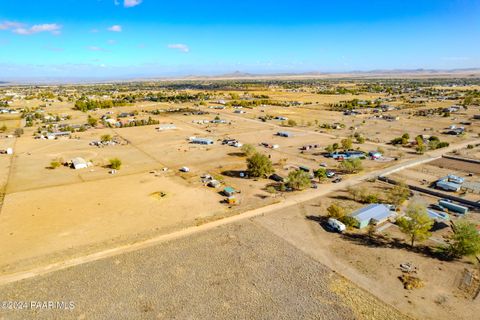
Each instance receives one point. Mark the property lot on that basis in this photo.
(47, 223)
(241, 270)
(373, 262)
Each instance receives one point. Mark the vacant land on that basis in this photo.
(50, 213)
(241, 270)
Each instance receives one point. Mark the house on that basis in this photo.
(447, 185)
(214, 183)
(347, 155)
(166, 126)
(450, 183)
(79, 163)
(219, 121)
(201, 140)
(372, 214)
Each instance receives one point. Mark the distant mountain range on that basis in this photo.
(372, 74)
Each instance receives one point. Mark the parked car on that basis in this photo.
(276, 177)
(185, 169)
(330, 173)
(337, 180)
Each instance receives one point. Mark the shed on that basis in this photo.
(79, 163)
(371, 214)
(228, 191)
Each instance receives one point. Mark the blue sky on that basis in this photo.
(123, 38)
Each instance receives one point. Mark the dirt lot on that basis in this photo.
(46, 223)
(241, 270)
(375, 266)
(460, 166)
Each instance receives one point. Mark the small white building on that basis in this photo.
(79, 163)
(166, 126)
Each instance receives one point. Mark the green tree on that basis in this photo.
(106, 138)
(465, 240)
(398, 194)
(346, 144)
(416, 223)
(248, 150)
(320, 173)
(298, 180)
(259, 165)
(351, 165)
(115, 163)
(92, 121)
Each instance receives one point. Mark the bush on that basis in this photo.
(298, 180)
(348, 221)
(351, 166)
(248, 150)
(291, 123)
(55, 164)
(370, 198)
(336, 211)
(115, 163)
(106, 138)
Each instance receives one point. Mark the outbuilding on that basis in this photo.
(228, 191)
(79, 163)
(372, 214)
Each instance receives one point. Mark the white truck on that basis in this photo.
(336, 225)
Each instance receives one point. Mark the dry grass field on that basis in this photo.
(49, 215)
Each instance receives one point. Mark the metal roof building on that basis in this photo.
(371, 214)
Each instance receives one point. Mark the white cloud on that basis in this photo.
(53, 28)
(131, 3)
(115, 2)
(179, 46)
(95, 48)
(455, 58)
(6, 25)
(115, 28)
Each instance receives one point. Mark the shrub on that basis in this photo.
(115, 163)
(55, 164)
(248, 150)
(336, 211)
